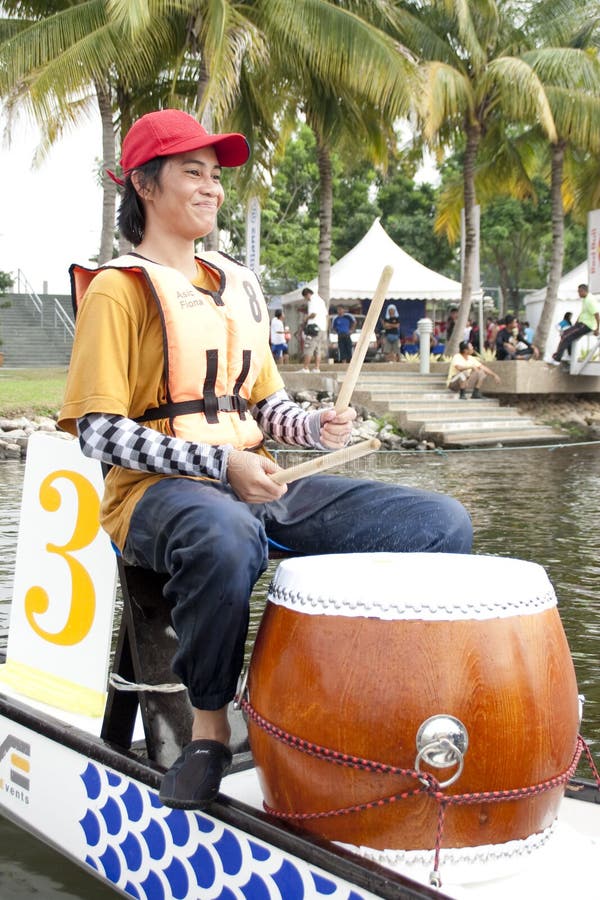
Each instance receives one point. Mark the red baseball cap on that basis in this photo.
(170, 131)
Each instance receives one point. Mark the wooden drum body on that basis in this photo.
(356, 651)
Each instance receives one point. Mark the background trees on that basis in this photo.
(507, 92)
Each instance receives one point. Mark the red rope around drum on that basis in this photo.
(428, 784)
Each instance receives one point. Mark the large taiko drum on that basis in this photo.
(360, 653)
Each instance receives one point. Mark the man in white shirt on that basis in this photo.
(315, 330)
(279, 347)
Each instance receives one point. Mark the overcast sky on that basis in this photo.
(50, 216)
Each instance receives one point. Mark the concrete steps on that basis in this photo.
(29, 342)
(423, 407)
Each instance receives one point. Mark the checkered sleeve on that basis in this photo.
(286, 422)
(118, 441)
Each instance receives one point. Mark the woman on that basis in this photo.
(171, 383)
(391, 334)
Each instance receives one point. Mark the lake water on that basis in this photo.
(532, 503)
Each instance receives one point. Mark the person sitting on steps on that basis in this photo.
(467, 372)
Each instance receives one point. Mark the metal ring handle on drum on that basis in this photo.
(449, 749)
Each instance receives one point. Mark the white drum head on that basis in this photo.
(429, 586)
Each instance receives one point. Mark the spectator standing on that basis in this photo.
(344, 324)
(279, 347)
(588, 321)
(391, 334)
(527, 331)
(451, 322)
(315, 330)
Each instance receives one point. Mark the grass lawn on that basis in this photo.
(30, 392)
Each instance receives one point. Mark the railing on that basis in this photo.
(591, 354)
(24, 287)
(64, 319)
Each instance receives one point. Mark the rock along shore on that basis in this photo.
(15, 432)
(582, 416)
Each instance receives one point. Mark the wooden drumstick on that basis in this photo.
(360, 351)
(327, 461)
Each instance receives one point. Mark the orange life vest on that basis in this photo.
(215, 343)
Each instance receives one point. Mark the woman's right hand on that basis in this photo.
(248, 476)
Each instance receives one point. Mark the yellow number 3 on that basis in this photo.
(83, 598)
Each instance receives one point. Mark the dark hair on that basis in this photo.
(306, 291)
(132, 217)
(463, 346)
(582, 287)
(509, 318)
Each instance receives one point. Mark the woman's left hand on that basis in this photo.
(336, 428)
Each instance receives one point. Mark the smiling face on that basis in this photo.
(185, 200)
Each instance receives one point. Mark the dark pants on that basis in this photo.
(214, 548)
(344, 347)
(571, 334)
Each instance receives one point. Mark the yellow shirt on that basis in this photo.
(459, 364)
(117, 367)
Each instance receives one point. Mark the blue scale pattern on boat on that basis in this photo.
(91, 828)
(256, 889)
(258, 851)
(228, 848)
(178, 879)
(204, 867)
(323, 886)
(155, 839)
(153, 887)
(113, 778)
(184, 856)
(132, 851)
(289, 882)
(92, 782)
(134, 803)
(226, 894)
(111, 865)
(179, 826)
(205, 824)
(111, 814)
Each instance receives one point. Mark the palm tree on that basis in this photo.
(61, 60)
(476, 76)
(328, 61)
(261, 46)
(571, 78)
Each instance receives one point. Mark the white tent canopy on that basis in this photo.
(567, 288)
(567, 297)
(355, 276)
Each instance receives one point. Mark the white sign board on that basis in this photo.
(253, 236)
(594, 251)
(65, 579)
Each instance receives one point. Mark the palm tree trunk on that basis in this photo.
(109, 188)
(325, 217)
(558, 246)
(473, 137)
(211, 240)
